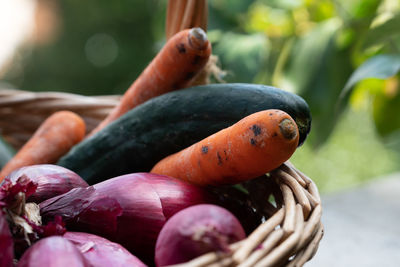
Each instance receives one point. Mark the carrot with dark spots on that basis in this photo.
(196, 60)
(256, 129)
(219, 159)
(181, 48)
(170, 70)
(189, 75)
(54, 138)
(249, 151)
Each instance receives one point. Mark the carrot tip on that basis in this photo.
(198, 38)
(288, 129)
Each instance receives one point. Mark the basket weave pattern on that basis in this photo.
(292, 232)
(21, 112)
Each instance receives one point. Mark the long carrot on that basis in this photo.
(54, 137)
(182, 57)
(251, 147)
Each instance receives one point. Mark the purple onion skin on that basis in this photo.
(195, 231)
(142, 204)
(6, 243)
(52, 180)
(101, 252)
(53, 251)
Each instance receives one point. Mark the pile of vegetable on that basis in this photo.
(149, 185)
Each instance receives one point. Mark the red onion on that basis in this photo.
(10, 191)
(12, 203)
(101, 252)
(52, 180)
(53, 251)
(194, 231)
(6, 243)
(129, 209)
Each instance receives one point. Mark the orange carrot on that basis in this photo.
(174, 67)
(251, 147)
(54, 137)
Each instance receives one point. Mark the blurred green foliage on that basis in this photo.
(312, 48)
(353, 155)
(101, 49)
(337, 54)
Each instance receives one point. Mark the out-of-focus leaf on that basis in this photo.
(386, 108)
(323, 93)
(380, 66)
(321, 10)
(275, 22)
(365, 8)
(346, 37)
(358, 9)
(284, 4)
(232, 7)
(307, 55)
(364, 92)
(225, 14)
(317, 72)
(6, 152)
(383, 32)
(242, 55)
(281, 61)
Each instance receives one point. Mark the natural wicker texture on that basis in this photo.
(185, 14)
(291, 234)
(21, 112)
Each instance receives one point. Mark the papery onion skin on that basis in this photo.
(6, 243)
(14, 208)
(145, 200)
(195, 231)
(53, 251)
(52, 180)
(101, 252)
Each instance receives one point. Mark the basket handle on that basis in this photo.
(185, 14)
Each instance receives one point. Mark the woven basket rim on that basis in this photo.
(21, 112)
(290, 236)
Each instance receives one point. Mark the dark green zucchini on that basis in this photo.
(173, 121)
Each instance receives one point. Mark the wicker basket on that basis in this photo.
(291, 234)
(21, 112)
(287, 199)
